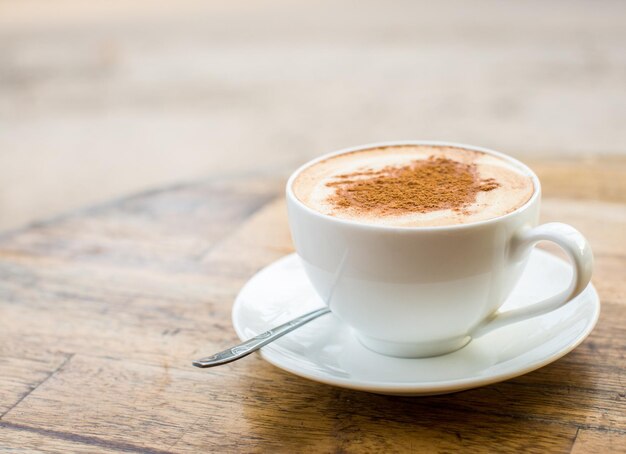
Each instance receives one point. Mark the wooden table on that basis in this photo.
(102, 310)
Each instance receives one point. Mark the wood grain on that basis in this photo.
(598, 441)
(20, 375)
(595, 177)
(102, 310)
(16, 438)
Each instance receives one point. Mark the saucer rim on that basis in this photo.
(419, 387)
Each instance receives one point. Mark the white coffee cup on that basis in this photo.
(426, 291)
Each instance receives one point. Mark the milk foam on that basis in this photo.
(514, 190)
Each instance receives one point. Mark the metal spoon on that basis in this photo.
(252, 345)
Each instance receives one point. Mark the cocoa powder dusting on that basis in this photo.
(423, 185)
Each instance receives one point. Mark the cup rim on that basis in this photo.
(358, 224)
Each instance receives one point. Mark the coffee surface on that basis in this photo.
(414, 185)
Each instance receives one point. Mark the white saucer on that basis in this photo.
(326, 351)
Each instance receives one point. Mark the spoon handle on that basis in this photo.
(252, 345)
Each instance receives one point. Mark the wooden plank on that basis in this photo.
(120, 313)
(172, 342)
(125, 279)
(263, 238)
(608, 277)
(600, 441)
(116, 400)
(167, 228)
(237, 408)
(136, 309)
(603, 224)
(152, 316)
(592, 177)
(21, 375)
(107, 304)
(15, 438)
(604, 345)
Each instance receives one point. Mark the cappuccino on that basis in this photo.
(414, 186)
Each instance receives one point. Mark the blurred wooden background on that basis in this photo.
(101, 99)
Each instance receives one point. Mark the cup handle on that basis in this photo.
(579, 252)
